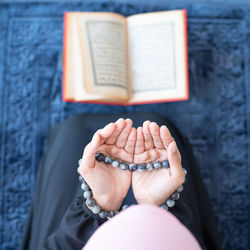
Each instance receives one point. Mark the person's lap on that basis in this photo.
(57, 182)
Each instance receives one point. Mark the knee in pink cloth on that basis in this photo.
(142, 227)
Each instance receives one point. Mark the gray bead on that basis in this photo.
(90, 202)
(79, 162)
(149, 166)
(85, 186)
(125, 206)
(170, 203)
(157, 165)
(103, 214)
(77, 170)
(99, 157)
(184, 171)
(115, 163)
(123, 166)
(107, 160)
(116, 212)
(164, 206)
(141, 167)
(81, 178)
(165, 164)
(180, 188)
(175, 196)
(132, 167)
(110, 214)
(96, 209)
(87, 194)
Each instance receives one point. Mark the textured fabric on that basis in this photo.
(76, 227)
(215, 119)
(57, 188)
(152, 228)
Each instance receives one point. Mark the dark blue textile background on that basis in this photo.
(215, 119)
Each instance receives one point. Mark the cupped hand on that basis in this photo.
(156, 144)
(108, 184)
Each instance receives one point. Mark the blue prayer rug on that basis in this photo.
(215, 119)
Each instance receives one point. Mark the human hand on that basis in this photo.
(109, 185)
(156, 144)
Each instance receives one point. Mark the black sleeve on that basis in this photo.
(184, 214)
(77, 225)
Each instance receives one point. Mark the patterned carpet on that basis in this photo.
(215, 119)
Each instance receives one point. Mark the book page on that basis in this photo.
(157, 56)
(104, 51)
(77, 74)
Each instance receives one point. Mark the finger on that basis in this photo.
(120, 123)
(174, 159)
(147, 135)
(88, 158)
(106, 132)
(130, 144)
(123, 136)
(139, 146)
(155, 132)
(166, 137)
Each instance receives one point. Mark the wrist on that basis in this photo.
(102, 205)
(151, 201)
(107, 202)
(166, 203)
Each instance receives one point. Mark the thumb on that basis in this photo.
(174, 159)
(88, 158)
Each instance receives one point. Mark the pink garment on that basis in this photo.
(142, 227)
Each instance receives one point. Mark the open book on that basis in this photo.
(108, 58)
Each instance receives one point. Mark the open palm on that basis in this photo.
(156, 144)
(108, 184)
